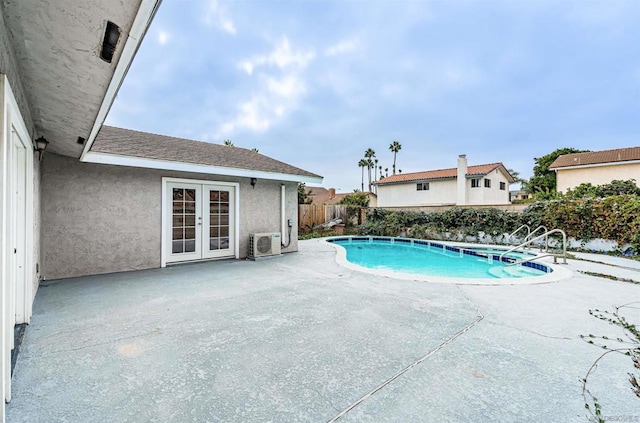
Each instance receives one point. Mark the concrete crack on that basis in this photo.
(110, 341)
(480, 316)
(530, 331)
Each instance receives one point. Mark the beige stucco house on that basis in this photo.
(486, 184)
(99, 199)
(597, 167)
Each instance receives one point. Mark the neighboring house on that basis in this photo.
(320, 196)
(519, 195)
(104, 199)
(597, 167)
(486, 184)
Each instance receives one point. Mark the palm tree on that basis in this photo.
(375, 176)
(386, 172)
(395, 147)
(369, 167)
(228, 143)
(255, 150)
(362, 163)
(369, 155)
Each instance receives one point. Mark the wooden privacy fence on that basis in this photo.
(310, 215)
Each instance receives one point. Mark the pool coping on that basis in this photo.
(558, 272)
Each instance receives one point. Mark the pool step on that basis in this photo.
(512, 271)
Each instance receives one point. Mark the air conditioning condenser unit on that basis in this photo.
(264, 245)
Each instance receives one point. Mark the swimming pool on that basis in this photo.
(434, 260)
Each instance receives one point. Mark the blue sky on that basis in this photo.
(316, 83)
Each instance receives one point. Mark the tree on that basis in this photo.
(375, 165)
(362, 163)
(395, 147)
(516, 177)
(303, 195)
(255, 150)
(543, 179)
(228, 143)
(369, 155)
(359, 199)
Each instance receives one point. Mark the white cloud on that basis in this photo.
(287, 87)
(276, 98)
(281, 57)
(216, 15)
(344, 46)
(163, 37)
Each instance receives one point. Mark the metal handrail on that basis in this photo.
(546, 234)
(518, 230)
(546, 240)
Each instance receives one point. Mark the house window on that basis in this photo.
(487, 183)
(475, 183)
(503, 186)
(422, 186)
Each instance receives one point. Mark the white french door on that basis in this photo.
(17, 274)
(200, 221)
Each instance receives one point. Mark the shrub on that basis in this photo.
(615, 218)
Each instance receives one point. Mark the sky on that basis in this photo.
(315, 83)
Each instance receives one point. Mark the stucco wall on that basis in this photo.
(597, 175)
(493, 195)
(102, 219)
(444, 192)
(8, 67)
(397, 195)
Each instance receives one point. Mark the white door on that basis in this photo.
(18, 262)
(200, 221)
(16, 227)
(218, 221)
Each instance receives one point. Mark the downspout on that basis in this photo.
(283, 217)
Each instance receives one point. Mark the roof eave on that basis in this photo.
(120, 160)
(146, 12)
(616, 163)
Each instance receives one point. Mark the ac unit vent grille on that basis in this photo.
(263, 245)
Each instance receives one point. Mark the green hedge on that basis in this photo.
(616, 218)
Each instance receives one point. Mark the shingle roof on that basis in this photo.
(477, 170)
(126, 142)
(597, 157)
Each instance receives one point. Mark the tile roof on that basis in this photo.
(597, 157)
(477, 170)
(126, 142)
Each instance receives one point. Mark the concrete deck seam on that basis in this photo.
(414, 364)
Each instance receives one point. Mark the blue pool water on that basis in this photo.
(431, 258)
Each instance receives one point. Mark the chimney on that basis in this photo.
(462, 180)
(332, 193)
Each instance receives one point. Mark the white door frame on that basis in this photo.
(166, 181)
(17, 302)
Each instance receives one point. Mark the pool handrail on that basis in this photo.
(546, 240)
(518, 230)
(546, 234)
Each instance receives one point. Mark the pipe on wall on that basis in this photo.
(283, 205)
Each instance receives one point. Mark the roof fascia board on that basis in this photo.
(118, 160)
(596, 165)
(141, 22)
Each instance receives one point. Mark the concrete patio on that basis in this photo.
(299, 338)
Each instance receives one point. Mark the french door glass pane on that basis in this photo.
(218, 219)
(183, 221)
